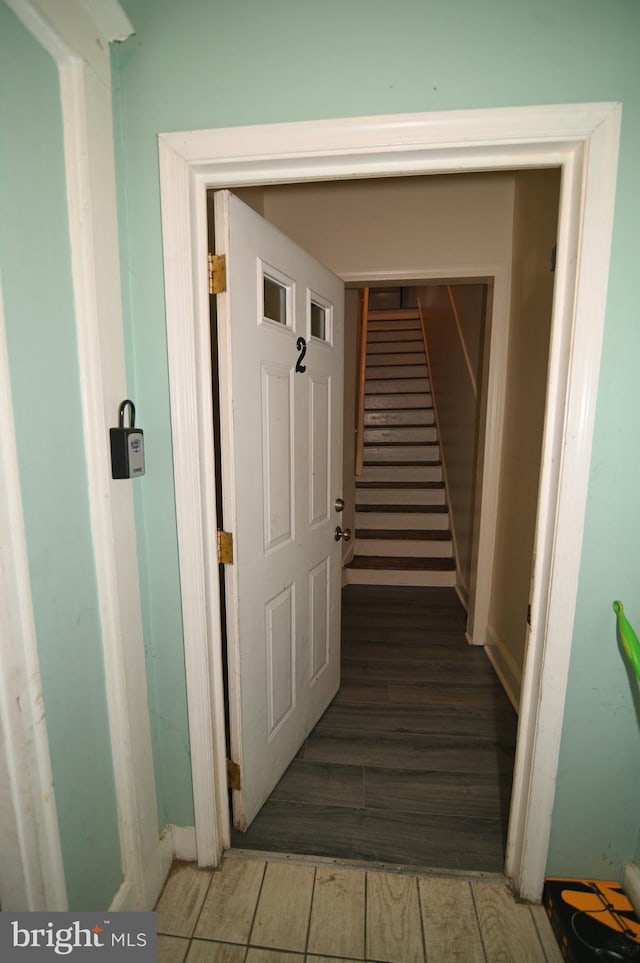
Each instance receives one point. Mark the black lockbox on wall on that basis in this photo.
(127, 445)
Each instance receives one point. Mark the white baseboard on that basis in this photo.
(507, 669)
(631, 885)
(463, 594)
(184, 843)
(128, 899)
(124, 900)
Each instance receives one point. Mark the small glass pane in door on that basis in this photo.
(275, 300)
(318, 321)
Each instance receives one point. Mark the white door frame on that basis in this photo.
(581, 139)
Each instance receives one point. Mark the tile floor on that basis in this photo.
(257, 909)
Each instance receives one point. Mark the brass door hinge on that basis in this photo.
(217, 273)
(233, 775)
(225, 548)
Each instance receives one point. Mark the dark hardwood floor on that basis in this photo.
(412, 762)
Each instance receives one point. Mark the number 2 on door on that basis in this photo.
(301, 345)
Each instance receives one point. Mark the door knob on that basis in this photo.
(343, 533)
(339, 504)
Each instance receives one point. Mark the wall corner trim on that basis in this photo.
(506, 667)
(68, 31)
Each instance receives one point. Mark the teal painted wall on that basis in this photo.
(204, 64)
(40, 320)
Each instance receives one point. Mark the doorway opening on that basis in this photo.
(582, 140)
(522, 233)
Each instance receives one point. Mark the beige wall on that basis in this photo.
(534, 234)
(418, 224)
(469, 301)
(454, 322)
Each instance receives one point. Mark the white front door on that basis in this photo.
(280, 337)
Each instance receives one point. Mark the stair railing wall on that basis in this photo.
(463, 343)
(461, 587)
(364, 325)
(451, 362)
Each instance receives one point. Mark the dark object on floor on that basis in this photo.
(593, 920)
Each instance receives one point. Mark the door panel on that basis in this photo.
(280, 333)
(319, 449)
(277, 455)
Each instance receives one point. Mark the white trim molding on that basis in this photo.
(77, 34)
(506, 667)
(31, 868)
(582, 140)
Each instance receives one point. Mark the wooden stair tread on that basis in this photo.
(403, 464)
(403, 509)
(391, 337)
(406, 485)
(396, 363)
(399, 394)
(413, 534)
(393, 314)
(399, 443)
(406, 345)
(392, 397)
(411, 377)
(404, 563)
(403, 426)
(406, 411)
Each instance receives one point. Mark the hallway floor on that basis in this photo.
(252, 910)
(412, 763)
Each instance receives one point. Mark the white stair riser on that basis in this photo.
(408, 548)
(399, 434)
(400, 520)
(399, 496)
(391, 473)
(396, 371)
(398, 402)
(373, 453)
(395, 386)
(407, 354)
(412, 358)
(364, 576)
(395, 347)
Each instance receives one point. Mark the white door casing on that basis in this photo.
(281, 431)
(582, 140)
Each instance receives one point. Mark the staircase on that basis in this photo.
(402, 532)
